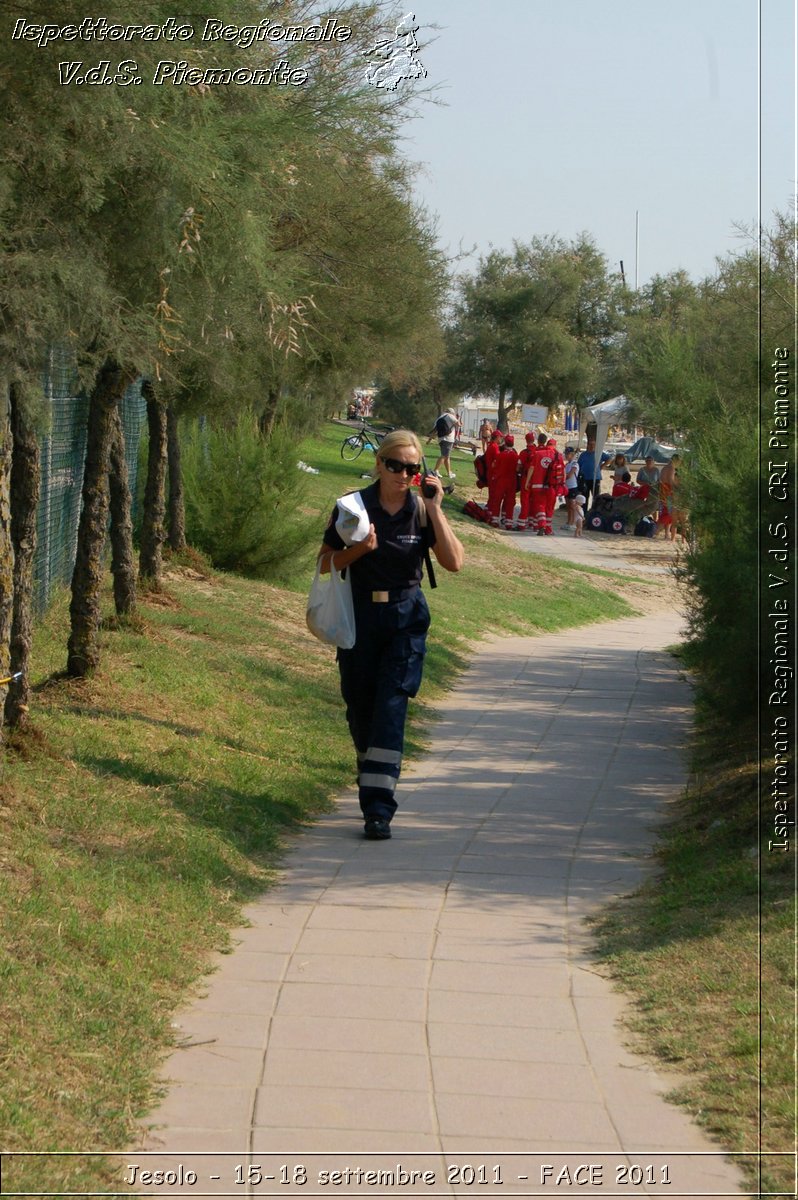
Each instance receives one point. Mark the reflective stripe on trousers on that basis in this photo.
(378, 676)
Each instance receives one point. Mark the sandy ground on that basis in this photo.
(646, 570)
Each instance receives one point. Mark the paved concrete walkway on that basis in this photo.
(430, 1003)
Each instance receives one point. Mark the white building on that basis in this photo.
(473, 410)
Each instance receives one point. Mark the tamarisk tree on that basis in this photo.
(532, 323)
(25, 475)
(123, 567)
(152, 529)
(242, 248)
(84, 611)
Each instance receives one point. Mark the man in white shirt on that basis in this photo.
(446, 429)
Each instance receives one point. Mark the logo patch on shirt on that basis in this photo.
(408, 539)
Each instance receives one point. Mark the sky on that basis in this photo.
(554, 117)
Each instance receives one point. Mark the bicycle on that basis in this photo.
(365, 439)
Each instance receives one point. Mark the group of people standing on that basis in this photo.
(665, 480)
(537, 473)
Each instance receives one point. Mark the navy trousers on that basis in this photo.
(378, 676)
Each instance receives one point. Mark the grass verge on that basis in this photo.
(706, 951)
(146, 804)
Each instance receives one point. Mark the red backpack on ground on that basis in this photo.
(472, 509)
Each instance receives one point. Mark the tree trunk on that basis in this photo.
(177, 504)
(266, 420)
(6, 543)
(25, 487)
(152, 526)
(123, 567)
(83, 653)
(501, 420)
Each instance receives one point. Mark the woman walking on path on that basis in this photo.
(383, 668)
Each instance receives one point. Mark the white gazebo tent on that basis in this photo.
(605, 414)
(472, 410)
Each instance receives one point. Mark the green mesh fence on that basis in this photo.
(63, 453)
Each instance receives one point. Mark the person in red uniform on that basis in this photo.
(524, 462)
(622, 486)
(507, 472)
(555, 482)
(536, 482)
(491, 460)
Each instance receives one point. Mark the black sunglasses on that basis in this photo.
(396, 467)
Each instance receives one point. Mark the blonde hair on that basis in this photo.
(397, 439)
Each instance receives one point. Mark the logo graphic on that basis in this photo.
(398, 57)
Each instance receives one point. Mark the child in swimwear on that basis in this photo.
(579, 516)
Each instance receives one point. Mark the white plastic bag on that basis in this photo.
(331, 612)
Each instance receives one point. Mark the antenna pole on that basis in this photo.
(637, 244)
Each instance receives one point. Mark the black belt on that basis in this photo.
(386, 595)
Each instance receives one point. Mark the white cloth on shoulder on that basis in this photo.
(353, 522)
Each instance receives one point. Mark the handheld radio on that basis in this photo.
(426, 490)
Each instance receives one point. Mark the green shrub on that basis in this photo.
(694, 368)
(721, 566)
(243, 495)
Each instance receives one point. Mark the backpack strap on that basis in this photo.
(422, 520)
(422, 511)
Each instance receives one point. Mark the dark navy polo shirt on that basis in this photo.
(401, 539)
